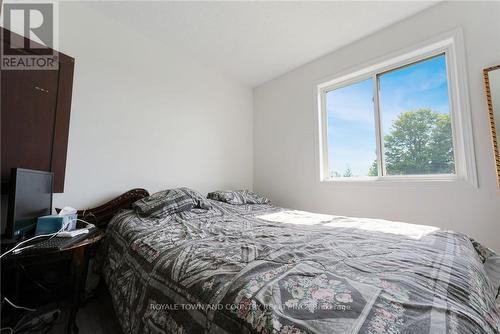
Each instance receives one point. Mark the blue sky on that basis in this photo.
(351, 125)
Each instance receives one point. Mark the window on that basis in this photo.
(351, 130)
(402, 119)
(415, 119)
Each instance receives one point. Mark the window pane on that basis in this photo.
(351, 131)
(416, 120)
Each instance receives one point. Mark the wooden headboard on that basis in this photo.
(101, 215)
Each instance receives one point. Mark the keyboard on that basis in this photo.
(58, 243)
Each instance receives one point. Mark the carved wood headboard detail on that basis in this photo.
(101, 215)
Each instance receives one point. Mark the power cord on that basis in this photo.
(86, 222)
(19, 307)
(16, 248)
(39, 324)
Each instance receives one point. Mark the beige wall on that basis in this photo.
(284, 132)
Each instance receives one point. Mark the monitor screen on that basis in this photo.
(30, 198)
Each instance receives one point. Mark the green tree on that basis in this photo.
(441, 146)
(373, 171)
(348, 172)
(420, 142)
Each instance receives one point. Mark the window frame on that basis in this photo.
(451, 45)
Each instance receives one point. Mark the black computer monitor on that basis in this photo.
(30, 197)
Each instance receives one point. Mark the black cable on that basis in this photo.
(41, 326)
(19, 323)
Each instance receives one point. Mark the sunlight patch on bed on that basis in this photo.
(385, 226)
(296, 217)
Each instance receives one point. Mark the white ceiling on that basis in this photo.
(258, 41)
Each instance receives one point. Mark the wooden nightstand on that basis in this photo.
(75, 260)
(76, 257)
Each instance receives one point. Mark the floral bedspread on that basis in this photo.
(264, 269)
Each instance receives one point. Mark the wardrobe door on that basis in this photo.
(36, 107)
(28, 108)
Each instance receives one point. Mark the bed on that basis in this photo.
(264, 269)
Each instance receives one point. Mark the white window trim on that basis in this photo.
(451, 44)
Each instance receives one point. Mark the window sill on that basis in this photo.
(397, 180)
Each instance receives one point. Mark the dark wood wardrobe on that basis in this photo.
(35, 107)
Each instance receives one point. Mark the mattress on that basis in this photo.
(266, 269)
